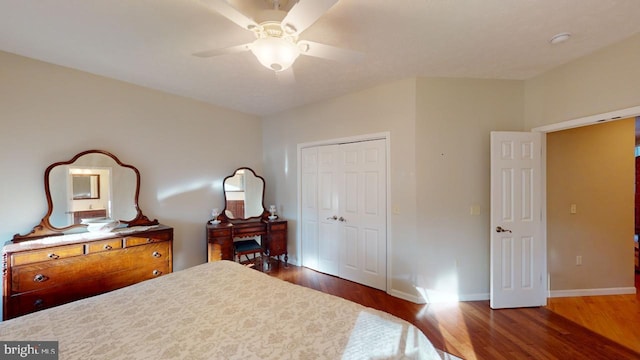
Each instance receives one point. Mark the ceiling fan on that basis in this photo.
(277, 45)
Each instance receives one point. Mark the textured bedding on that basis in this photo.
(220, 310)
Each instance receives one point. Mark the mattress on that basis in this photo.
(220, 310)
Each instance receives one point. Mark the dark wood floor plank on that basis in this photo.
(472, 330)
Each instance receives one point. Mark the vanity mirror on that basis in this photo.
(243, 195)
(92, 184)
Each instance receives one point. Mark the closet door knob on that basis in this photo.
(332, 218)
(341, 219)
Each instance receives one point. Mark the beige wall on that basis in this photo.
(592, 167)
(604, 81)
(454, 120)
(183, 148)
(438, 129)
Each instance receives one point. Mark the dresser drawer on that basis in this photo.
(54, 273)
(130, 241)
(45, 298)
(55, 253)
(106, 245)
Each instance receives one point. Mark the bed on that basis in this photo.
(220, 310)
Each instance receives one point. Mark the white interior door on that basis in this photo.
(329, 235)
(309, 207)
(343, 211)
(362, 212)
(518, 248)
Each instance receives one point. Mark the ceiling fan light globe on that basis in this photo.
(275, 53)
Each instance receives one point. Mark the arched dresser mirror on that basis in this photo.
(92, 184)
(243, 196)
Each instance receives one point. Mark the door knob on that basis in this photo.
(332, 218)
(342, 219)
(500, 229)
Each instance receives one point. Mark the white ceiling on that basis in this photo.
(150, 43)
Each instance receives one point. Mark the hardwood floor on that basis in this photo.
(616, 317)
(471, 330)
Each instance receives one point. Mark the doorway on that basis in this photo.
(582, 259)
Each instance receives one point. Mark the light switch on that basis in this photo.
(474, 209)
(574, 209)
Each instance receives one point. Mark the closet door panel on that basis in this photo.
(309, 207)
(328, 202)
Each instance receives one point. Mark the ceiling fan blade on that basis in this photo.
(286, 77)
(311, 48)
(304, 13)
(231, 13)
(228, 50)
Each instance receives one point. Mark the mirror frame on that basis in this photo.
(265, 214)
(45, 228)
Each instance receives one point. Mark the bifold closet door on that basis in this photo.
(344, 211)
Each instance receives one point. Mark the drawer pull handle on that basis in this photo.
(149, 240)
(156, 254)
(108, 247)
(157, 273)
(54, 256)
(40, 278)
(39, 303)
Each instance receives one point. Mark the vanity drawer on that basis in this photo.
(220, 233)
(98, 246)
(55, 253)
(279, 227)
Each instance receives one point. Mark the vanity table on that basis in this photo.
(59, 261)
(248, 188)
(273, 233)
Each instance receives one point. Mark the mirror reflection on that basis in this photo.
(85, 186)
(107, 190)
(244, 195)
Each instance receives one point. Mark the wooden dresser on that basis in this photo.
(273, 234)
(43, 273)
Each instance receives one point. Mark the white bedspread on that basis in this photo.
(220, 310)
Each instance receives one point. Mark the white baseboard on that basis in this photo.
(592, 292)
(474, 297)
(406, 296)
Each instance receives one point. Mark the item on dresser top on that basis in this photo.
(100, 224)
(215, 213)
(272, 212)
